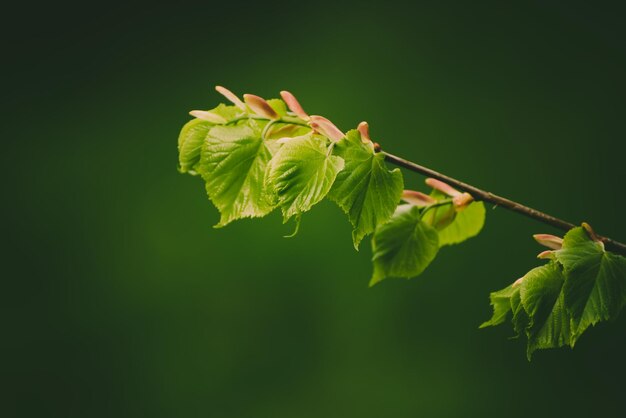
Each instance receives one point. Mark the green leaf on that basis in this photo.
(595, 289)
(455, 227)
(233, 164)
(404, 246)
(366, 190)
(301, 173)
(279, 106)
(538, 309)
(467, 224)
(520, 317)
(542, 298)
(501, 303)
(190, 143)
(505, 301)
(192, 136)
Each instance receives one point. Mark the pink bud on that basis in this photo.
(442, 187)
(231, 97)
(294, 105)
(418, 199)
(462, 201)
(260, 106)
(518, 282)
(546, 255)
(326, 128)
(550, 241)
(208, 116)
(364, 130)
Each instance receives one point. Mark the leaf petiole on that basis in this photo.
(435, 205)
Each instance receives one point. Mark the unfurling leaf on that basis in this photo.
(501, 303)
(301, 174)
(366, 190)
(233, 164)
(404, 246)
(439, 216)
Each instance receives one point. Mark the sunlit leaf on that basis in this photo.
(301, 174)
(233, 164)
(366, 190)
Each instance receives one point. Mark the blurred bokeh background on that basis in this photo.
(119, 299)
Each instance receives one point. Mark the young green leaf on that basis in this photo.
(190, 143)
(538, 306)
(520, 317)
(595, 289)
(366, 190)
(279, 106)
(501, 303)
(193, 134)
(301, 173)
(542, 298)
(404, 246)
(505, 301)
(233, 164)
(455, 226)
(467, 224)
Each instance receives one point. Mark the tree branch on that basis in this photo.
(489, 197)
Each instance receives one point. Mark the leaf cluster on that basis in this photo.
(253, 163)
(581, 285)
(260, 156)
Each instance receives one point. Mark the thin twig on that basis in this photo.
(489, 197)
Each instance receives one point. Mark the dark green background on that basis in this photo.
(119, 299)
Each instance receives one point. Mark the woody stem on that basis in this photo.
(482, 195)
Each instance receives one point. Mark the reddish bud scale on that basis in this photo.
(208, 116)
(546, 255)
(418, 199)
(364, 130)
(462, 201)
(551, 241)
(260, 106)
(231, 97)
(326, 128)
(294, 105)
(442, 187)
